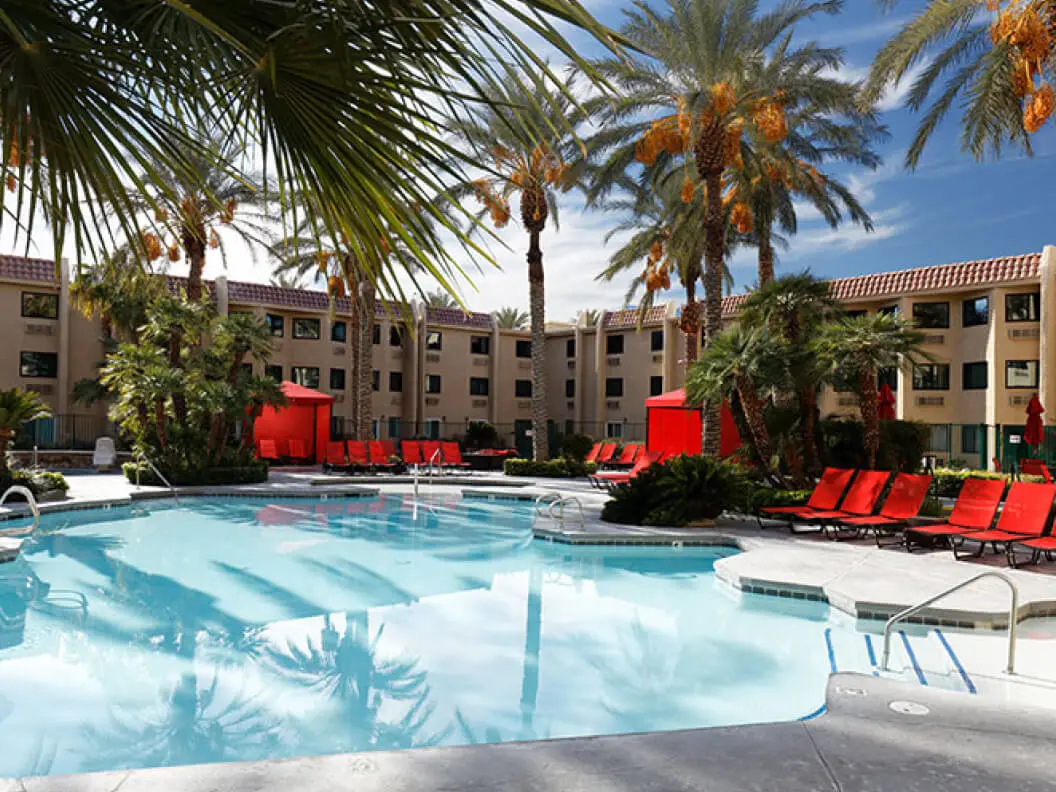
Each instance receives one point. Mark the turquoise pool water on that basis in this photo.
(235, 629)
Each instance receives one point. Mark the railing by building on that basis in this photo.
(66, 432)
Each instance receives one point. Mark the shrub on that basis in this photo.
(902, 444)
(576, 446)
(947, 483)
(248, 474)
(683, 490)
(554, 468)
(760, 497)
(39, 482)
(480, 435)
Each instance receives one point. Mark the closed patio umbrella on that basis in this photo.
(1034, 433)
(886, 403)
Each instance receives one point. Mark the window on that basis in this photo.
(306, 328)
(841, 384)
(854, 314)
(888, 377)
(339, 332)
(337, 379)
(394, 428)
(522, 389)
(275, 372)
(931, 376)
(305, 376)
(570, 389)
(656, 386)
(888, 310)
(570, 348)
(1022, 307)
(613, 387)
(570, 427)
(432, 383)
(395, 382)
(614, 431)
(970, 437)
(375, 380)
(931, 315)
(614, 345)
(431, 428)
(939, 438)
(434, 340)
(375, 335)
(40, 306)
(656, 341)
(976, 312)
(524, 349)
(975, 376)
(39, 364)
(275, 323)
(479, 345)
(1021, 374)
(478, 386)
(395, 337)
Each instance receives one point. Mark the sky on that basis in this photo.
(952, 208)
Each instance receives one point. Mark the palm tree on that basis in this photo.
(118, 291)
(287, 280)
(440, 299)
(855, 350)
(995, 69)
(740, 365)
(238, 336)
(17, 407)
(336, 108)
(589, 316)
(722, 77)
(524, 135)
(511, 318)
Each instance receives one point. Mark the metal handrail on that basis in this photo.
(432, 460)
(144, 458)
(561, 502)
(1013, 613)
(543, 497)
(18, 489)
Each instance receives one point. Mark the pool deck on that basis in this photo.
(876, 736)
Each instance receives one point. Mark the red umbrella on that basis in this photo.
(886, 403)
(1034, 432)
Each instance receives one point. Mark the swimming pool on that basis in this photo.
(225, 629)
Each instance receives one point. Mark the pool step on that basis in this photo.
(924, 659)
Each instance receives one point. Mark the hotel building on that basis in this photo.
(990, 330)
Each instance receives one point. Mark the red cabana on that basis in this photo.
(306, 419)
(676, 428)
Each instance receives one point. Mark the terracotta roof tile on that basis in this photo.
(944, 277)
(628, 317)
(33, 269)
(455, 317)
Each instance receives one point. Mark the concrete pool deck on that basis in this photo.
(876, 736)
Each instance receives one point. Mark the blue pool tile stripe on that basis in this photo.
(872, 654)
(815, 714)
(832, 652)
(913, 659)
(956, 662)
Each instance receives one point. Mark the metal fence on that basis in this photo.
(979, 446)
(66, 432)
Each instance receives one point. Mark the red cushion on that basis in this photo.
(942, 529)
(1026, 509)
(1042, 543)
(811, 514)
(875, 520)
(990, 536)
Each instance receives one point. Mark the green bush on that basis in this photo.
(947, 483)
(480, 435)
(247, 474)
(39, 482)
(761, 497)
(683, 490)
(902, 444)
(576, 446)
(554, 468)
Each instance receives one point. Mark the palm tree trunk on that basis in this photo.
(714, 252)
(808, 428)
(692, 327)
(867, 403)
(744, 430)
(753, 413)
(537, 306)
(369, 304)
(766, 255)
(533, 629)
(194, 245)
(159, 421)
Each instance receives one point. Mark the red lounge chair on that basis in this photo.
(1024, 517)
(605, 455)
(453, 455)
(299, 449)
(610, 480)
(594, 451)
(335, 455)
(389, 447)
(379, 460)
(903, 502)
(357, 455)
(628, 456)
(825, 497)
(974, 511)
(266, 449)
(431, 452)
(412, 452)
(860, 500)
(1035, 467)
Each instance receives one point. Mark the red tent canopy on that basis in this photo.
(305, 418)
(676, 428)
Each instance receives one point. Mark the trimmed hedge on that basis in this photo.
(249, 474)
(766, 497)
(39, 482)
(947, 483)
(554, 468)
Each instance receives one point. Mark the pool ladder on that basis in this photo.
(1013, 616)
(432, 472)
(25, 493)
(558, 501)
(141, 457)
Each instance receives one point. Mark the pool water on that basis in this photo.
(236, 629)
